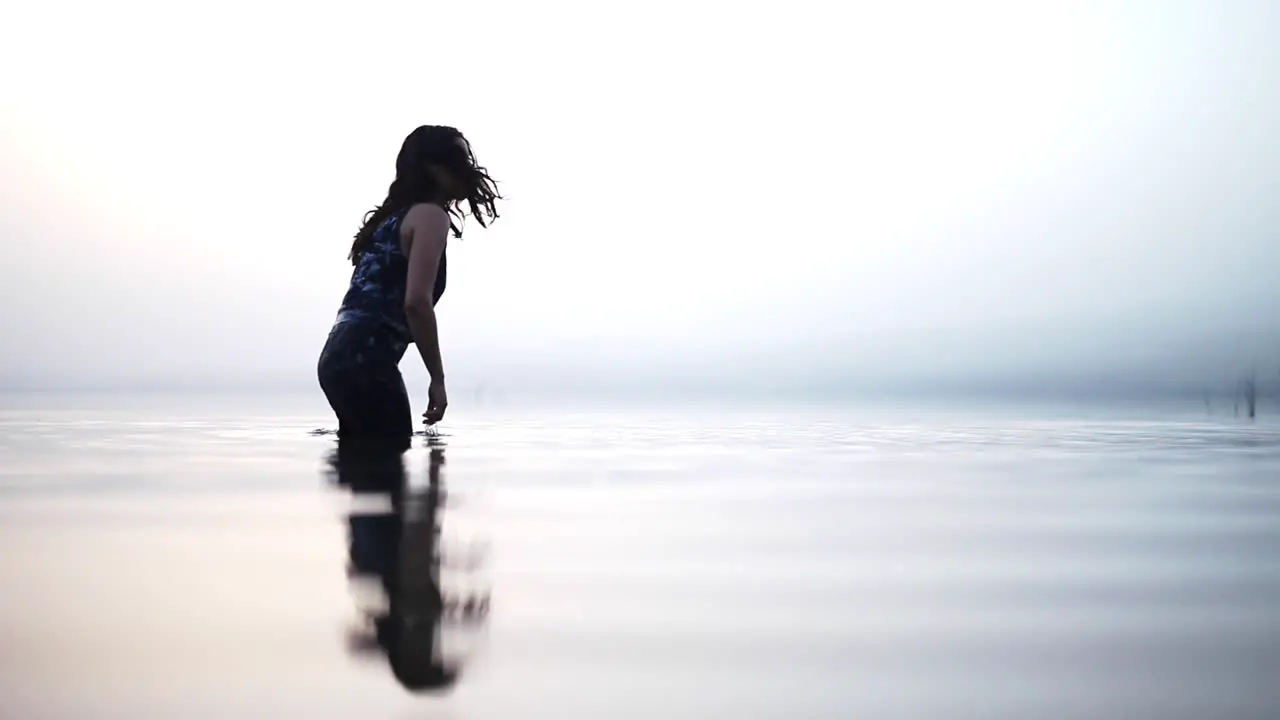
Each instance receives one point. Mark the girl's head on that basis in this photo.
(435, 165)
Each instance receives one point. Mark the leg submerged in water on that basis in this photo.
(360, 376)
(359, 373)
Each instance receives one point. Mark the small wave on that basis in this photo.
(431, 432)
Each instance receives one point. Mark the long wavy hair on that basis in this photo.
(445, 147)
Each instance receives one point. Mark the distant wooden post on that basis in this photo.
(1247, 389)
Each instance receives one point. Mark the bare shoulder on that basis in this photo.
(424, 221)
(426, 216)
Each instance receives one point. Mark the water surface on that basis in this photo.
(169, 560)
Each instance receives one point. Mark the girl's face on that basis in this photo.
(455, 190)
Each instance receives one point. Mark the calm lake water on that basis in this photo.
(166, 559)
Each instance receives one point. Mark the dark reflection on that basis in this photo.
(394, 544)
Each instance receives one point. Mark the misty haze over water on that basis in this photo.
(1050, 198)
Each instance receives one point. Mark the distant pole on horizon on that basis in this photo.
(1249, 388)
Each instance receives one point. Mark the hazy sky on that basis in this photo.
(739, 191)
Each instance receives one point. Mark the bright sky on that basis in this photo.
(694, 187)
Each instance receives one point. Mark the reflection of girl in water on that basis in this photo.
(399, 549)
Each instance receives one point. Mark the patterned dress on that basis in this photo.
(359, 365)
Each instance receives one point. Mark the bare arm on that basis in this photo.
(423, 235)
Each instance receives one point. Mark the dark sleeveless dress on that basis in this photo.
(359, 366)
